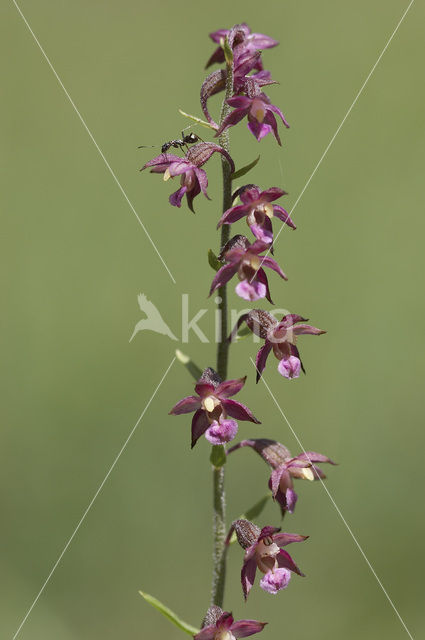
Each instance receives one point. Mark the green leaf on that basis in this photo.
(257, 508)
(218, 456)
(172, 617)
(228, 53)
(203, 123)
(241, 172)
(193, 369)
(213, 261)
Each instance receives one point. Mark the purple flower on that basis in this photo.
(212, 406)
(280, 337)
(216, 81)
(259, 110)
(285, 468)
(263, 551)
(193, 179)
(256, 206)
(243, 41)
(244, 258)
(220, 625)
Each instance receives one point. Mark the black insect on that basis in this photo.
(184, 141)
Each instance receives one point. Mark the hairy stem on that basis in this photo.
(219, 495)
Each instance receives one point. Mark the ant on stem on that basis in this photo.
(184, 141)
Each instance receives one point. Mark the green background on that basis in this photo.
(74, 259)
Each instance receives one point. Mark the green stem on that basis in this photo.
(219, 495)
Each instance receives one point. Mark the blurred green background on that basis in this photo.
(74, 259)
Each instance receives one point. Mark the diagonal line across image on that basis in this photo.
(83, 122)
(347, 526)
(341, 124)
(92, 501)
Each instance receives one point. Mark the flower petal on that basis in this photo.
(199, 425)
(261, 358)
(276, 580)
(289, 367)
(245, 628)
(261, 278)
(290, 319)
(190, 195)
(279, 212)
(258, 129)
(249, 569)
(176, 198)
(238, 411)
(272, 264)
(182, 166)
(223, 275)
(225, 621)
(251, 290)
(304, 329)
(203, 388)
(230, 388)
(163, 160)
(231, 120)
(250, 195)
(291, 499)
(221, 432)
(284, 560)
(270, 121)
(276, 477)
(313, 456)
(186, 405)
(207, 633)
(203, 181)
(273, 193)
(261, 41)
(272, 107)
(263, 232)
(240, 102)
(233, 215)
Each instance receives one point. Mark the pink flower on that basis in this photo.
(243, 41)
(244, 259)
(220, 625)
(212, 406)
(263, 551)
(258, 109)
(193, 179)
(280, 337)
(285, 468)
(259, 211)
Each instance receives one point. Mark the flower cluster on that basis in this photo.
(248, 99)
(215, 412)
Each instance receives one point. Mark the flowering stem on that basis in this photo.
(219, 495)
